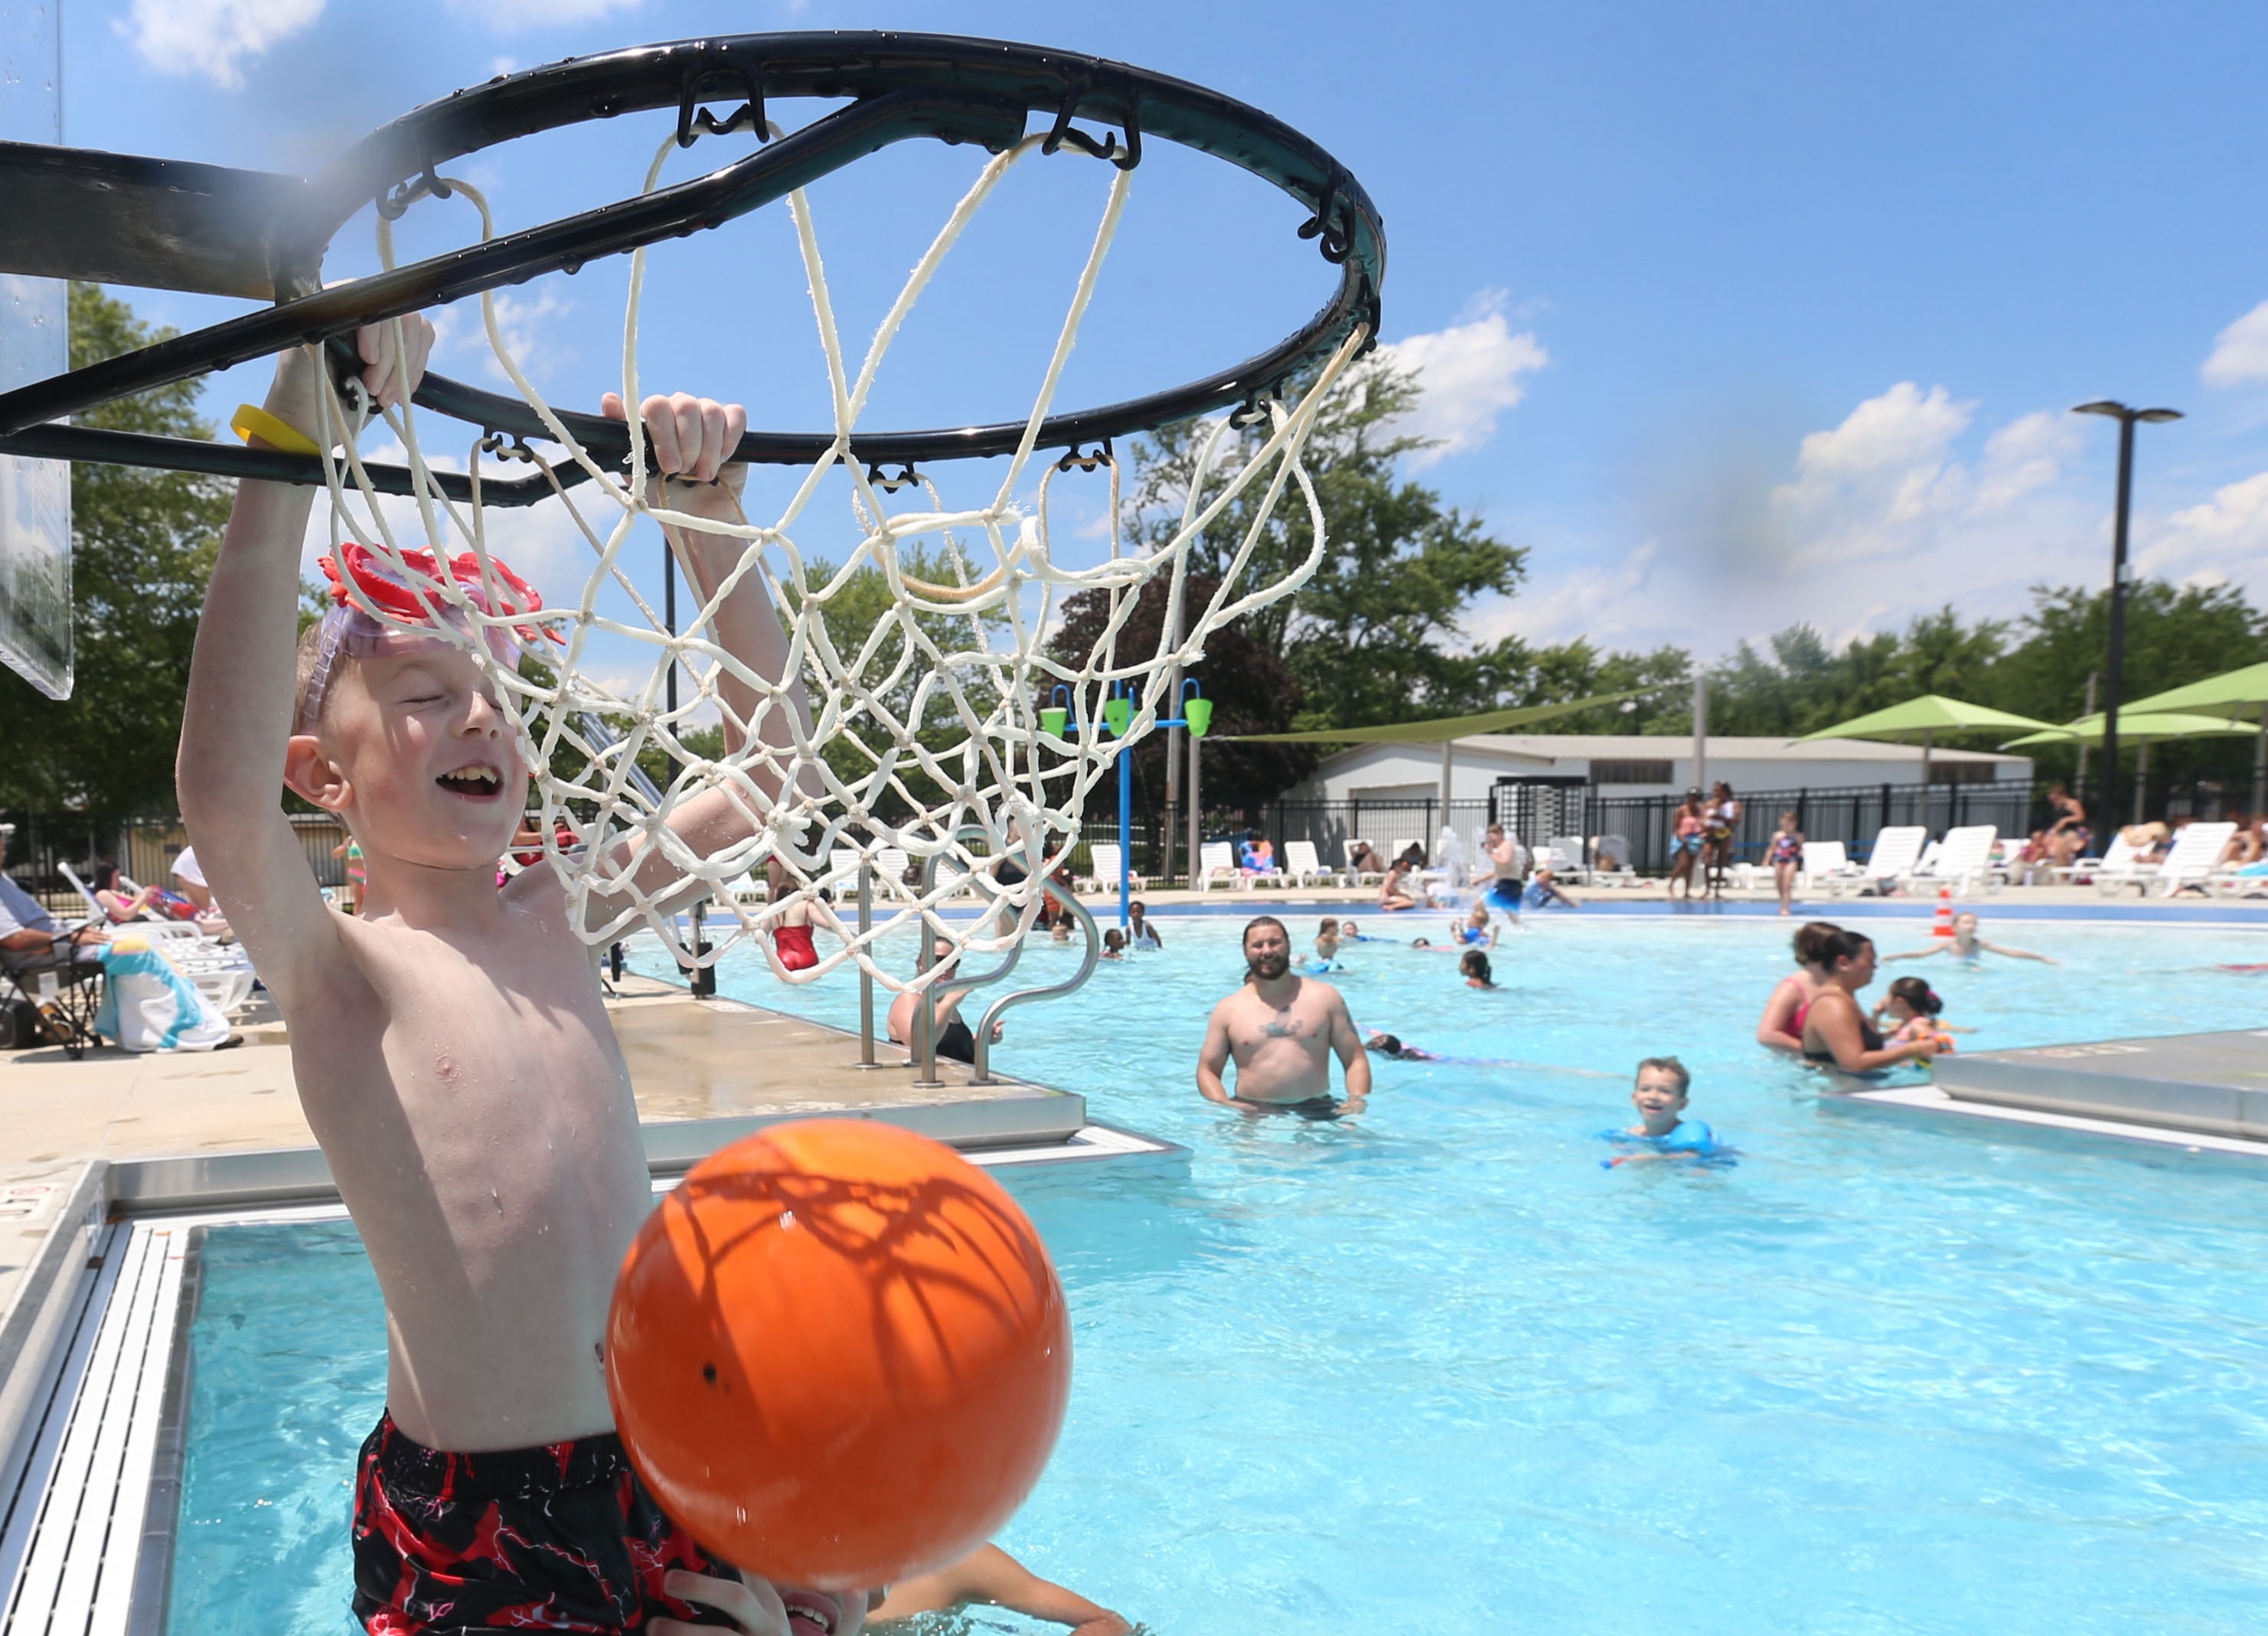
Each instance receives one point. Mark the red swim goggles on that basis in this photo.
(377, 585)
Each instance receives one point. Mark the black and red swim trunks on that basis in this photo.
(562, 1537)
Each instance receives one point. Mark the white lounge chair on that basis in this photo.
(1962, 860)
(1104, 877)
(1569, 866)
(1826, 867)
(1359, 877)
(1610, 864)
(1400, 847)
(1216, 861)
(2117, 869)
(2196, 849)
(1301, 865)
(1896, 854)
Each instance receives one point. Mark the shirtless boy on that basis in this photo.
(1282, 1030)
(454, 1060)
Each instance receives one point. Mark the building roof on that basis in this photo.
(1587, 747)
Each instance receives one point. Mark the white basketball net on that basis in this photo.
(1013, 788)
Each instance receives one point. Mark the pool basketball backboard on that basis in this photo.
(35, 565)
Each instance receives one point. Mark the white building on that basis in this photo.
(1633, 764)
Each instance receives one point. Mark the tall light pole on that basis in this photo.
(2126, 417)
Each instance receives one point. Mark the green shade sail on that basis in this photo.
(1440, 728)
(1931, 714)
(2138, 727)
(2247, 686)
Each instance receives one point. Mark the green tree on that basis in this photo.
(1376, 635)
(142, 544)
(1803, 684)
(864, 603)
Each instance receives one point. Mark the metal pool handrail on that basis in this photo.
(925, 1015)
(1078, 911)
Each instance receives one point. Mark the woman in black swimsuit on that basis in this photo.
(953, 1039)
(1835, 1031)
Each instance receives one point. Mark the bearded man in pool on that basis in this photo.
(1282, 1030)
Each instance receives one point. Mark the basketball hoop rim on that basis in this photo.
(900, 85)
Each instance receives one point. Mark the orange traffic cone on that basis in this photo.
(1943, 926)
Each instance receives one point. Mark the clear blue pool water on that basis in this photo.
(1437, 1370)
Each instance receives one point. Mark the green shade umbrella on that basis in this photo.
(2247, 686)
(2140, 728)
(1926, 717)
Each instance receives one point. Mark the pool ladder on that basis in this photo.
(925, 1015)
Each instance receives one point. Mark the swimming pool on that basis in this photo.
(1436, 1369)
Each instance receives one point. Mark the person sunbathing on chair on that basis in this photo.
(119, 898)
(30, 942)
(28, 930)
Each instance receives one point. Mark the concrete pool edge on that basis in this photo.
(2062, 1131)
(81, 1371)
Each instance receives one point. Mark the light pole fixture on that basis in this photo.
(2126, 417)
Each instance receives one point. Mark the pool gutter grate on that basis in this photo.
(83, 1548)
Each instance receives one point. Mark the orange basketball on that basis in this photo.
(838, 1354)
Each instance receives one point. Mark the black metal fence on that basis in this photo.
(1850, 816)
(144, 848)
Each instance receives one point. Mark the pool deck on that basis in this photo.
(177, 1129)
(1652, 897)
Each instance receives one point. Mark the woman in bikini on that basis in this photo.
(1786, 859)
(1781, 1027)
(1835, 1031)
(1685, 841)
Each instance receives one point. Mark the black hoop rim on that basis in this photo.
(898, 86)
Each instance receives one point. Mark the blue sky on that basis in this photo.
(1734, 314)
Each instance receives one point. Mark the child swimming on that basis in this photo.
(1476, 930)
(1326, 957)
(1473, 966)
(451, 1049)
(1391, 1045)
(1964, 944)
(1662, 1130)
(1913, 1008)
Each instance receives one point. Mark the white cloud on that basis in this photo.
(1893, 512)
(1471, 373)
(1887, 456)
(2024, 456)
(1615, 607)
(212, 37)
(528, 323)
(2241, 352)
(509, 16)
(2202, 543)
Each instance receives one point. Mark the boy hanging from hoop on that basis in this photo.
(453, 1056)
